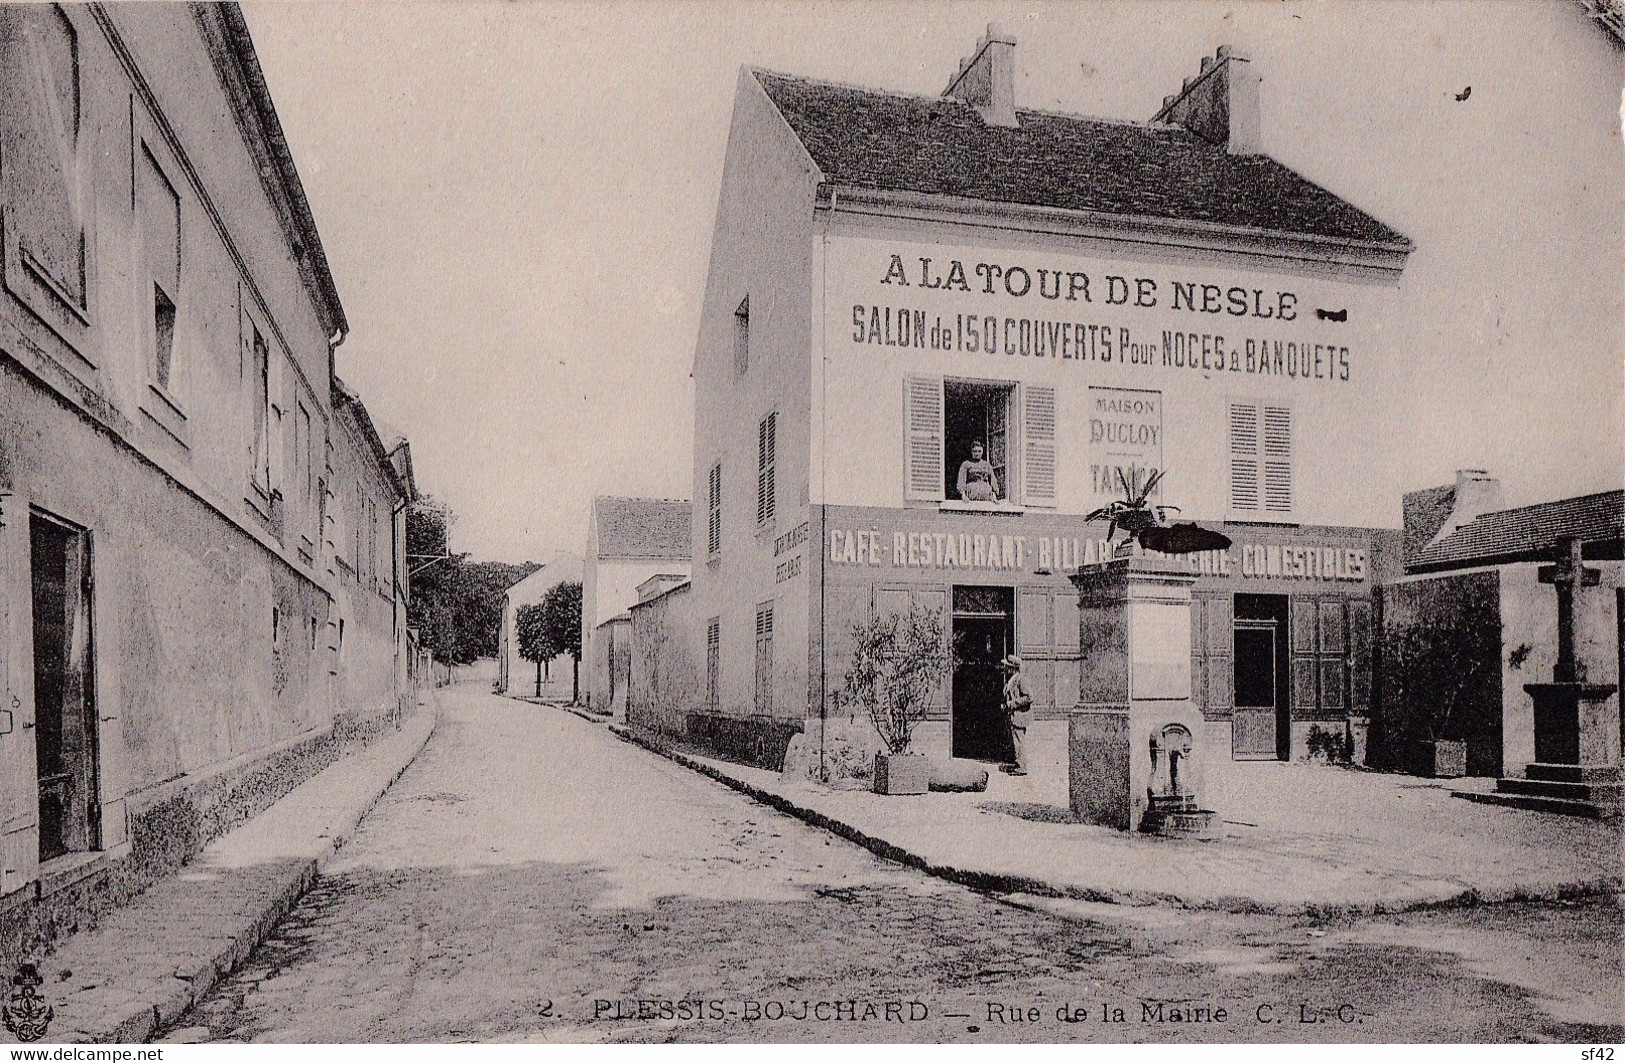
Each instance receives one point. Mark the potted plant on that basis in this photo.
(897, 661)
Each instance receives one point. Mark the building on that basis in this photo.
(515, 675)
(629, 540)
(185, 632)
(1472, 573)
(896, 279)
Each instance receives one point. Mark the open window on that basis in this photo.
(974, 443)
(976, 438)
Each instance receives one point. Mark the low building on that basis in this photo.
(629, 540)
(550, 679)
(1472, 584)
(940, 331)
(201, 582)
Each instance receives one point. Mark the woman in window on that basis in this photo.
(976, 480)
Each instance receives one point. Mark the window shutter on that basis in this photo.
(1244, 471)
(766, 443)
(713, 531)
(1038, 444)
(922, 426)
(1277, 459)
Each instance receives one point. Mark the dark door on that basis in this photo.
(980, 729)
(1254, 734)
(64, 709)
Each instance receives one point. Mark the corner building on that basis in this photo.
(896, 279)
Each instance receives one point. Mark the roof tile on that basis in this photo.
(881, 141)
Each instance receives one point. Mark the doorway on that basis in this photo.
(1262, 728)
(64, 687)
(984, 634)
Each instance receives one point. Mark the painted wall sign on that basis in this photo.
(1208, 320)
(1125, 441)
(1042, 554)
(790, 543)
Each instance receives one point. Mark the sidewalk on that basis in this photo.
(1295, 838)
(147, 962)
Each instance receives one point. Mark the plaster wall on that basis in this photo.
(1335, 388)
(1529, 619)
(762, 250)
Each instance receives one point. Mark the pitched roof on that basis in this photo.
(643, 528)
(1529, 533)
(882, 141)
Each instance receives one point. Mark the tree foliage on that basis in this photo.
(561, 617)
(455, 604)
(534, 644)
(897, 661)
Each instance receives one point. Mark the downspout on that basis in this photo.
(823, 497)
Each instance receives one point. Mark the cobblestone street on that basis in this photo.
(533, 878)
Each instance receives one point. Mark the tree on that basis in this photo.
(897, 660)
(534, 643)
(561, 617)
(455, 603)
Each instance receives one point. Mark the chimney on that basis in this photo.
(1220, 104)
(1433, 514)
(987, 80)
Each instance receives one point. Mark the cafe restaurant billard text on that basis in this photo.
(992, 361)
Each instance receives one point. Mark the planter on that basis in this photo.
(1441, 758)
(902, 773)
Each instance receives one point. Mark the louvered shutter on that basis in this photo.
(713, 529)
(1277, 453)
(1038, 444)
(766, 443)
(922, 429)
(1244, 470)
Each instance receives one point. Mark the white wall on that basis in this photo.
(1336, 409)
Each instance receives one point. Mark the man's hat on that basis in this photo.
(1011, 661)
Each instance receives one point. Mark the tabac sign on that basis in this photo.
(1125, 442)
(1140, 321)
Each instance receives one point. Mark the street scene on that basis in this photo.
(896, 523)
(532, 878)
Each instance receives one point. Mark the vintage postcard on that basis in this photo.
(911, 522)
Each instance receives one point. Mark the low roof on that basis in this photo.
(655, 529)
(1529, 533)
(887, 141)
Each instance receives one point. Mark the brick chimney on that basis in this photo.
(1220, 104)
(987, 80)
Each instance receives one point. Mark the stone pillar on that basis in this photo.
(1134, 737)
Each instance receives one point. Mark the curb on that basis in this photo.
(574, 710)
(996, 882)
(161, 1005)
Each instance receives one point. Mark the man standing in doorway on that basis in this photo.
(1018, 705)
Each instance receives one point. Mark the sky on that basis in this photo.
(516, 200)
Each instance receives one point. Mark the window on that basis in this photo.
(158, 212)
(962, 437)
(305, 444)
(44, 233)
(163, 328)
(259, 402)
(764, 659)
(713, 518)
(713, 660)
(976, 434)
(742, 337)
(766, 444)
(1261, 458)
